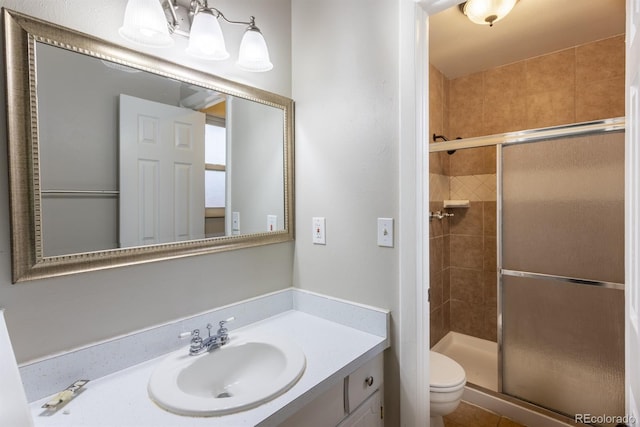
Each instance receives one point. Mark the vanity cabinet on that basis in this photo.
(356, 401)
(369, 414)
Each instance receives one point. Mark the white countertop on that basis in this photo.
(121, 400)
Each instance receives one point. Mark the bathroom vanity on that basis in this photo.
(342, 383)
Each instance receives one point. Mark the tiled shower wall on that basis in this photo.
(579, 84)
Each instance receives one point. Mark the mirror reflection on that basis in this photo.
(131, 158)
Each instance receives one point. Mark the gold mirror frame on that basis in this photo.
(28, 261)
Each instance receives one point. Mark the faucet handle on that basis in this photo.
(223, 322)
(223, 332)
(195, 333)
(223, 329)
(196, 341)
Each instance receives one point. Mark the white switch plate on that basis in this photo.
(385, 232)
(319, 231)
(272, 222)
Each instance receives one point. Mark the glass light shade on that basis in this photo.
(206, 40)
(487, 12)
(254, 54)
(145, 24)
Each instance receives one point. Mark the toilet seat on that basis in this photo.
(446, 374)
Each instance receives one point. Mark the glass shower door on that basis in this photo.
(562, 273)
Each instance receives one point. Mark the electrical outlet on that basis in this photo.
(385, 232)
(319, 231)
(272, 223)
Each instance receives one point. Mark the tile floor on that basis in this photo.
(468, 415)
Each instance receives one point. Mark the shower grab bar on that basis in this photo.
(439, 215)
(575, 281)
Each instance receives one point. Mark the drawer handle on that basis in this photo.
(368, 381)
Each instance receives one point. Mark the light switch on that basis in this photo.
(235, 223)
(385, 232)
(319, 231)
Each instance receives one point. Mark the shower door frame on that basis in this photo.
(521, 137)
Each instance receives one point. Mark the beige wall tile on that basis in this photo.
(503, 114)
(435, 225)
(467, 220)
(466, 101)
(436, 248)
(490, 288)
(466, 251)
(446, 258)
(469, 161)
(436, 101)
(489, 160)
(553, 72)
(489, 219)
(467, 285)
(578, 84)
(473, 187)
(550, 108)
(446, 315)
(490, 254)
(446, 285)
(506, 81)
(601, 99)
(467, 318)
(435, 165)
(436, 326)
(600, 60)
(435, 290)
(504, 105)
(490, 323)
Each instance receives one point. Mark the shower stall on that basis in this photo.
(555, 255)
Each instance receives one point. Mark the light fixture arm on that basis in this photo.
(200, 5)
(175, 23)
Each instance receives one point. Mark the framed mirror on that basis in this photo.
(118, 158)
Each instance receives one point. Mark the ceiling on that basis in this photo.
(458, 47)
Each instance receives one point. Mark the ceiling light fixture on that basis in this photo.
(147, 23)
(487, 12)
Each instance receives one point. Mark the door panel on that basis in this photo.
(161, 173)
(562, 275)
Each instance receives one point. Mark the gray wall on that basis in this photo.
(346, 86)
(55, 315)
(255, 162)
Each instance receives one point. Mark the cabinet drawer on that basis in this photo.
(364, 381)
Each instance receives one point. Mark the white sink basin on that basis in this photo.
(244, 373)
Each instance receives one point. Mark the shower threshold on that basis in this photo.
(479, 359)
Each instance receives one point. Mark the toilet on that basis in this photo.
(445, 386)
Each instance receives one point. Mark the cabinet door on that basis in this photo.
(369, 414)
(324, 411)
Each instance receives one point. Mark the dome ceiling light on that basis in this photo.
(487, 12)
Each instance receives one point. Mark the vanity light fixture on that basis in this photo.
(487, 12)
(147, 23)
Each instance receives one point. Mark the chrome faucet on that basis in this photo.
(200, 345)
